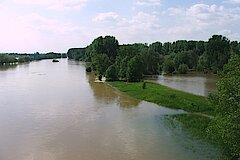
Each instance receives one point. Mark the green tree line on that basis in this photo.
(131, 61)
(22, 58)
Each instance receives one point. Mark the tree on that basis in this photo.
(166, 48)
(111, 73)
(226, 127)
(168, 66)
(156, 47)
(121, 64)
(110, 46)
(235, 47)
(203, 63)
(105, 45)
(200, 47)
(152, 60)
(135, 69)
(186, 57)
(183, 68)
(218, 51)
(101, 63)
(76, 53)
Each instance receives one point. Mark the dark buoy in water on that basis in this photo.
(55, 60)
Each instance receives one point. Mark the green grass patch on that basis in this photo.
(165, 96)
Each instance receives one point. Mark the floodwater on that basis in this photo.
(55, 111)
(195, 83)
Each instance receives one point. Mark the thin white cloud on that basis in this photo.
(175, 11)
(140, 21)
(148, 2)
(232, 1)
(106, 16)
(55, 4)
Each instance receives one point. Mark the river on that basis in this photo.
(55, 111)
(195, 83)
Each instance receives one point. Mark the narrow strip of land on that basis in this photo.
(167, 97)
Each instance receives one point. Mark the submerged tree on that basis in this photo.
(226, 127)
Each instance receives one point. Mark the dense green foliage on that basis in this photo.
(135, 69)
(218, 52)
(168, 66)
(226, 127)
(165, 96)
(23, 59)
(76, 53)
(111, 73)
(133, 61)
(7, 59)
(183, 69)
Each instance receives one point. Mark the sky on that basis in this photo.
(28, 26)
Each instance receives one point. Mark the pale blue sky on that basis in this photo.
(57, 25)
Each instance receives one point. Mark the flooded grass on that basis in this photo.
(194, 125)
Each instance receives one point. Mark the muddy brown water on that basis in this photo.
(55, 111)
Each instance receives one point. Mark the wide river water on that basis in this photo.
(55, 111)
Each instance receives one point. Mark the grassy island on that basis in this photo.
(165, 96)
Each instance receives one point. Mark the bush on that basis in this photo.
(144, 85)
(183, 69)
(88, 69)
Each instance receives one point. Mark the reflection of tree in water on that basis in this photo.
(106, 94)
(7, 67)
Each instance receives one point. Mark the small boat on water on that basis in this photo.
(55, 60)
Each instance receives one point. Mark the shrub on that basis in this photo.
(183, 69)
(88, 69)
